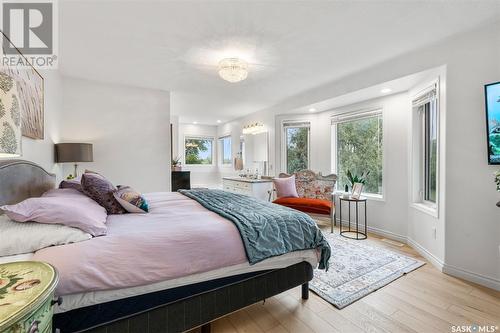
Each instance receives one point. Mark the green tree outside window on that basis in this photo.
(198, 151)
(297, 148)
(359, 149)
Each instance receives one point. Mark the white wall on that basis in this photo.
(129, 128)
(42, 151)
(201, 175)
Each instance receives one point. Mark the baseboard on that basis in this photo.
(473, 277)
(435, 261)
(380, 232)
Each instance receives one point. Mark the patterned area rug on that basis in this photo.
(357, 269)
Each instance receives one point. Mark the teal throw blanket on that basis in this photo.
(267, 229)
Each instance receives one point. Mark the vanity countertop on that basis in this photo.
(248, 180)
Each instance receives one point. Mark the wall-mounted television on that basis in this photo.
(492, 100)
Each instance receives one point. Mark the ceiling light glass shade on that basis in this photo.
(10, 118)
(233, 69)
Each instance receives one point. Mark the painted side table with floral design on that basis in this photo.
(27, 297)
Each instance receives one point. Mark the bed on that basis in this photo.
(187, 294)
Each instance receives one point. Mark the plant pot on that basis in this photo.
(176, 168)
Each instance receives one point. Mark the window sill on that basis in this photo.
(195, 166)
(368, 196)
(431, 210)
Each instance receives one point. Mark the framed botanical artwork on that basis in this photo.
(29, 92)
(356, 190)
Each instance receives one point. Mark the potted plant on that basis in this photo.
(176, 164)
(357, 179)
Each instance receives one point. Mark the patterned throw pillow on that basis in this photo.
(101, 191)
(131, 200)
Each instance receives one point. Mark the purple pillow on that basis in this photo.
(285, 187)
(69, 208)
(72, 183)
(101, 191)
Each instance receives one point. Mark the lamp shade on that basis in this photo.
(10, 118)
(74, 152)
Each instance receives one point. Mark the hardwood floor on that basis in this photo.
(424, 300)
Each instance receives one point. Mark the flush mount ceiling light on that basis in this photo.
(233, 69)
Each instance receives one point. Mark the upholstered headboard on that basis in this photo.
(20, 180)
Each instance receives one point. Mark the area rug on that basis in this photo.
(357, 269)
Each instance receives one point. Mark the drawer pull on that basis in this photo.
(57, 301)
(34, 327)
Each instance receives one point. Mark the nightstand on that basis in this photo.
(353, 234)
(27, 297)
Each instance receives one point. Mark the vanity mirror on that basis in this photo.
(256, 152)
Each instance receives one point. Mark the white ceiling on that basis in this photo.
(291, 46)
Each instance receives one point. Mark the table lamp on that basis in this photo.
(74, 153)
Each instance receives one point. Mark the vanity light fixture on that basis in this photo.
(233, 69)
(253, 129)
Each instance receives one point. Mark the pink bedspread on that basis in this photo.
(177, 238)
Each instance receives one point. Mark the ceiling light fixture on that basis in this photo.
(195, 122)
(386, 90)
(312, 110)
(219, 121)
(233, 69)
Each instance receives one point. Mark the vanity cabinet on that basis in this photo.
(257, 188)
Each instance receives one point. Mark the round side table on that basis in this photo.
(350, 232)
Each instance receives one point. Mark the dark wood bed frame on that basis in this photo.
(20, 180)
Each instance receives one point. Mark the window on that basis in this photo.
(296, 138)
(357, 145)
(225, 150)
(425, 108)
(198, 151)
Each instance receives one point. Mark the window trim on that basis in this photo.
(355, 115)
(417, 162)
(197, 136)
(221, 151)
(295, 123)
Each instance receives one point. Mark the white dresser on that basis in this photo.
(257, 188)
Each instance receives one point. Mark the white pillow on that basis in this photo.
(26, 237)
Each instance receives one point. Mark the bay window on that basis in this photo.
(296, 147)
(425, 146)
(357, 148)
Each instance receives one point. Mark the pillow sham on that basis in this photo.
(131, 200)
(72, 209)
(72, 183)
(285, 187)
(18, 238)
(101, 191)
